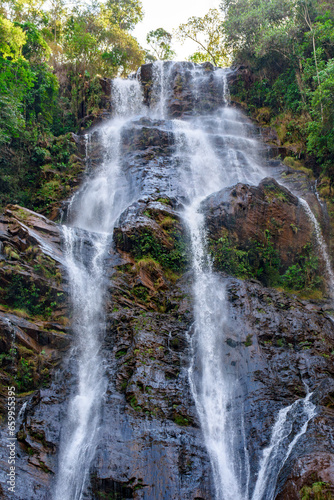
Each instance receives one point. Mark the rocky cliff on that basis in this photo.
(279, 334)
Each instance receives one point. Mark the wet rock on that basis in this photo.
(185, 95)
(278, 346)
(154, 447)
(34, 338)
(290, 353)
(311, 476)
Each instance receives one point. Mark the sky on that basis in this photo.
(169, 14)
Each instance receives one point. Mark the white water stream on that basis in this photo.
(321, 245)
(283, 439)
(213, 151)
(95, 208)
(204, 170)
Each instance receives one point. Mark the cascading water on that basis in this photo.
(213, 150)
(77, 448)
(321, 244)
(161, 74)
(283, 439)
(210, 160)
(96, 208)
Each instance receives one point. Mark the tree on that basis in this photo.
(321, 129)
(124, 13)
(207, 34)
(57, 15)
(35, 47)
(288, 46)
(252, 27)
(160, 42)
(94, 44)
(11, 120)
(12, 39)
(25, 11)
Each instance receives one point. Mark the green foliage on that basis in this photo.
(96, 40)
(289, 48)
(317, 491)
(141, 293)
(23, 293)
(254, 28)
(180, 419)
(25, 375)
(321, 129)
(304, 275)
(52, 57)
(11, 120)
(206, 33)
(261, 261)
(160, 42)
(12, 39)
(125, 13)
(148, 245)
(35, 48)
(229, 258)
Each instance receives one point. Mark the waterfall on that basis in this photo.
(160, 91)
(94, 211)
(282, 442)
(214, 149)
(321, 244)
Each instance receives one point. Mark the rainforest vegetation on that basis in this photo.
(52, 59)
(54, 54)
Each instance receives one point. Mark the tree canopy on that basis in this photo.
(53, 55)
(206, 32)
(288, 45)
(160, 42)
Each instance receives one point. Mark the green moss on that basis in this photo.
(229, 258)
(298, 165)
(272, 191)
(304, 275)
(148, 263)
(147, 245)
(141, 293)
(248, 341)
(261, 260)
(175, 342)
(180, 419)
(30, 370)
(317, 491)
(167, 223)
(23, 293)
(124, 385)
(21, 214)
(165, 201)
(121, 353)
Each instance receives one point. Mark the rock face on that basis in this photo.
(181, 100)
(289, 349)
(151, 445)
(34, 338)
(250, 213)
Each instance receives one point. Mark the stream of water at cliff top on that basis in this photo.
(94, 211)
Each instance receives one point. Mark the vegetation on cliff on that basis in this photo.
(286, 53)
(52, 60)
